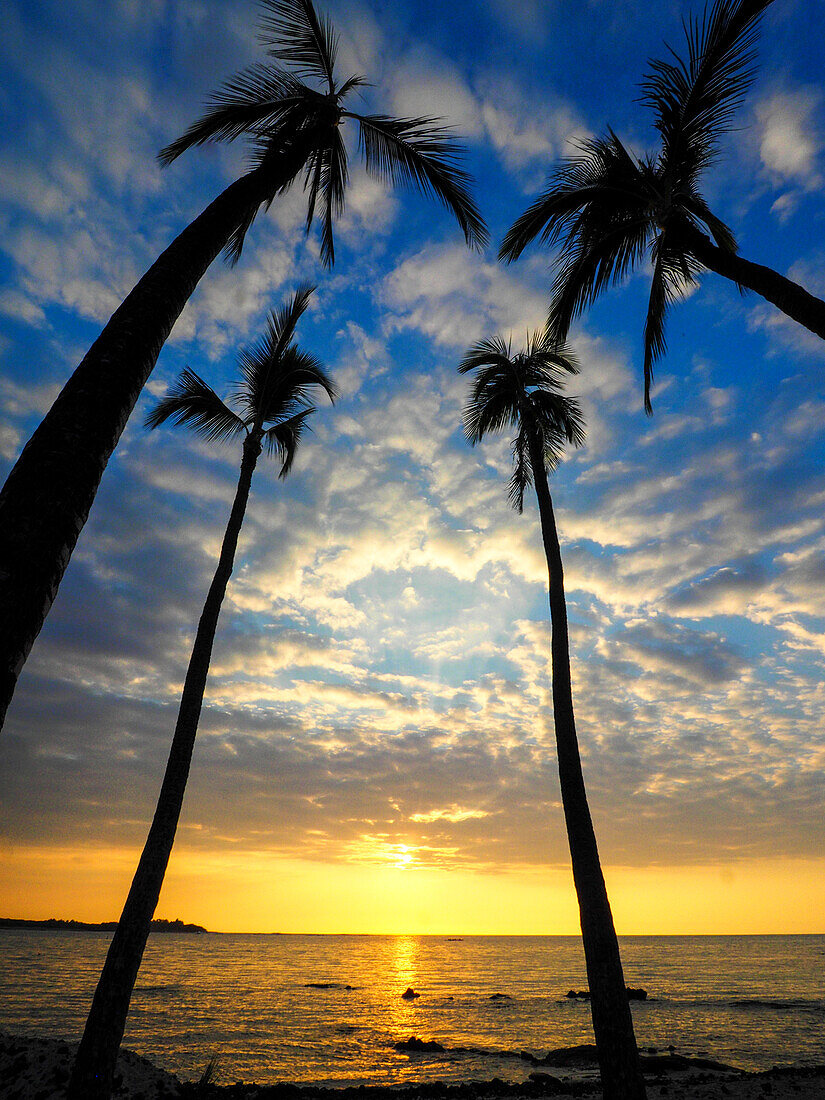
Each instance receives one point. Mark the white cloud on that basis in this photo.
(457, 297)
(791, 143)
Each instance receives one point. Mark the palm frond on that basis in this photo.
(522, 477)
(289, 386)
(696, 207)
(694, 99)
(587, 268)
(258, 361)
(333, 185)
(312, 185)
(524, 391)
(558, 418)
(193, 403)
(489, 408)
(672, 272)
(548, 358)
(490, 352)
(260, 97)
(350, 83)
(282, 439)
(421, 154)
(584, 194)
(297, 35)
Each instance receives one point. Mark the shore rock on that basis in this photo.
(582, 1055)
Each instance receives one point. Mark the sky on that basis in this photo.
(376, 751)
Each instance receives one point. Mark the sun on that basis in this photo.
(404, 855)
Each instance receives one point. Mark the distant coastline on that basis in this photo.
(54, 925)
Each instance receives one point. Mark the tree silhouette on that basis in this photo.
(295, 130)
(610, 210)
(524, 391)
(273, 398)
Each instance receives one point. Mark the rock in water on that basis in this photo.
(409, 994)
(428, 1046)
(584, 994)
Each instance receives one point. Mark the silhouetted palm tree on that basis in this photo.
(609, 209)
(273, 397)
(296, 128)
(524, 391)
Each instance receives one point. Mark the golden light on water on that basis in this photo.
(404, 961)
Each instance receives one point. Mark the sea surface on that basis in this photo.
(328, 1009)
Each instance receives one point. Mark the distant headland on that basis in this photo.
(54, 925)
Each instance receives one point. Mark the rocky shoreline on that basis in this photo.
(33, 1068)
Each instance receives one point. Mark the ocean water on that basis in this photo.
(328, 1009)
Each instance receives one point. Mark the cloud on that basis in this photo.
(456, 297)
(380, 686)
(790, 144)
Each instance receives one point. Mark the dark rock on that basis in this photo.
(669, 1063)
(500, 997)
(409, 994)
(584, 994)
(583, 1055)
(328, 985)
(429, 1046)
(550, 1086)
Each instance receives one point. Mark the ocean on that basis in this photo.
(328, 1009)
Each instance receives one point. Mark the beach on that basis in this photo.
(36, 1068)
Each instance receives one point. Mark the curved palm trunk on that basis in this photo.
(612, 1023)
(97, 1055)
(47, 496)
(793, 300)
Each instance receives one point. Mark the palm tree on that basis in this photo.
(293, 111)
(609, 209)
(524, 391)
(273, 398)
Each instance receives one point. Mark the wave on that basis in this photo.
(779, 1006)
(809, 1006)
(329, 985)
(157, 990)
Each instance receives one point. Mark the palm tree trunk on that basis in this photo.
(793, 300)
(612, 1023)
(94, 1065)
(47, 496)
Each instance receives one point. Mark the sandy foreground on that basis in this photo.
(38, 1069)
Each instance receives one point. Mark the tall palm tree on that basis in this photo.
(273, 399)
(609, 210)
(524, 391)
(293, 111)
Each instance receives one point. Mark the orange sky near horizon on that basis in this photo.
(248, 892)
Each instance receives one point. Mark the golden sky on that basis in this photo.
(262, 893)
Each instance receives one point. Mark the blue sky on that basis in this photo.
(380, 677)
